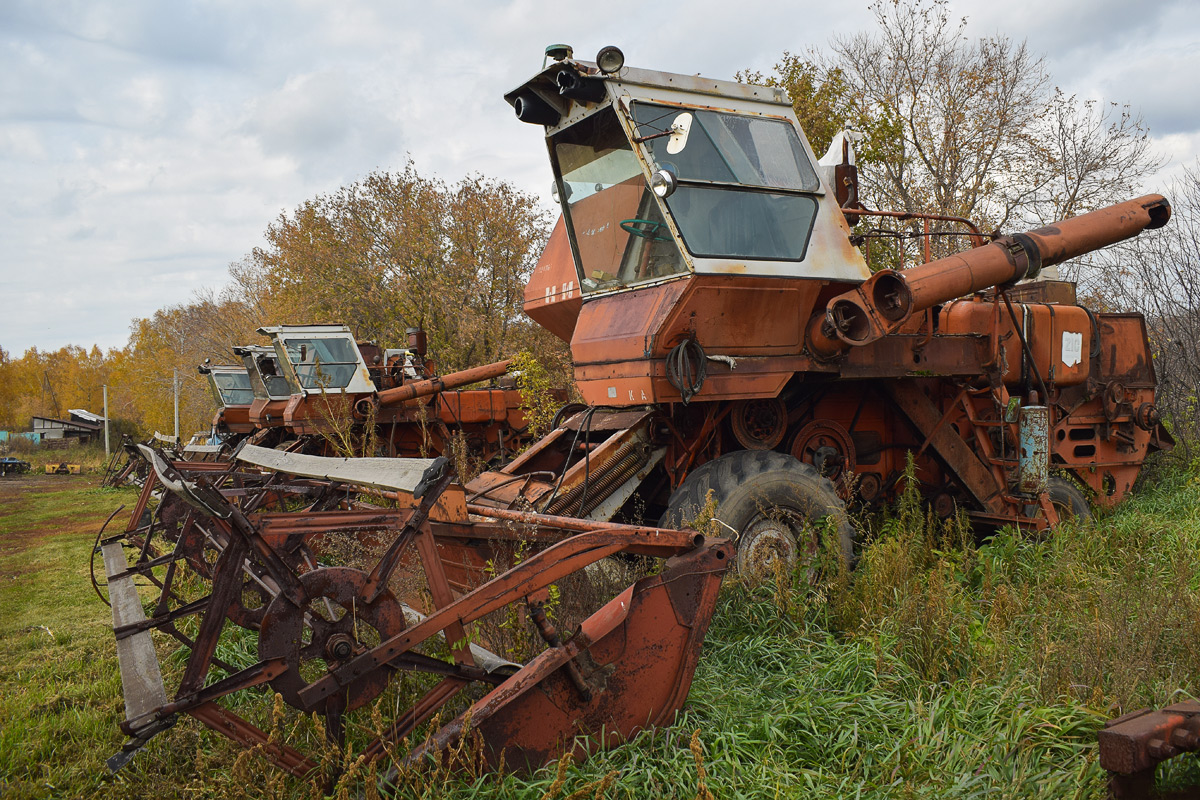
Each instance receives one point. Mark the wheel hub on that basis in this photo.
(765, 546)
(759, 424)
(334, 624)
(827, 446)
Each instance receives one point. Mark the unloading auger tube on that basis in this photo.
(411, 391)
(885, 301)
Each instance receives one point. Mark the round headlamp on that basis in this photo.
(610, 59)
(663, 182)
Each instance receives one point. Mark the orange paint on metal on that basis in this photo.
(636, 656)
(1060, 337)
(552, 295)
(266, 413)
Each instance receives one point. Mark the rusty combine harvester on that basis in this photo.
(730, 343)
(315, 379)
(414, 411)
(729, 337)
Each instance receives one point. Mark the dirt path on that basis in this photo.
(35, 508)
(14, 487)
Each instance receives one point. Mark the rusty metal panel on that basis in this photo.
(480, 406)
(740, 315)
(1060, 338)
(1124, 353)
(552, 296)
(917, 355)
(267, 413)
(619, 327)
(1043, 291)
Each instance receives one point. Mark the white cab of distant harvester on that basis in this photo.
(319, 359)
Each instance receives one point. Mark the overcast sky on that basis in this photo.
(146, 145)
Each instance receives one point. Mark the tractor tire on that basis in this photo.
(1068, 500)
(769, 503)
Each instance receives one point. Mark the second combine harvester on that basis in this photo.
(728, 335)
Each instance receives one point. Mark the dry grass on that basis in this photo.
(90, 457)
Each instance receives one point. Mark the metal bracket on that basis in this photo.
(128, 750)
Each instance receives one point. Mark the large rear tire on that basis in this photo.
(1068, 500)
(774, 505)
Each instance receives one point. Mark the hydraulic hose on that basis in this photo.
(687, 367)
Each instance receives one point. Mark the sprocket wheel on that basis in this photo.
(196, 548)
(333, 625)
(759, 424)
(248, 606)
(828, 447)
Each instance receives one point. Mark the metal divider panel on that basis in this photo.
(381, 473)
(141, 679)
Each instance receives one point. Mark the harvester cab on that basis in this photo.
(229, 384)
(233, 394)
(320, 359)
(267, 380)
(324, 370)
(729, 338)
(270, 387)
(688, 204)
(336, 381)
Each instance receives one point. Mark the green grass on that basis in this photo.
(941, 668)
(59, 685)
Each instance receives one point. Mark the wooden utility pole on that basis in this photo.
(106, 453)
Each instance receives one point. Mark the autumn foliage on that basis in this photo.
(391, 251)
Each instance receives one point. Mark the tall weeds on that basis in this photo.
(942, 666)
(1107, 614)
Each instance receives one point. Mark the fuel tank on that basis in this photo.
(1060, 337)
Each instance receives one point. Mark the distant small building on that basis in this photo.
(83, 426)
(80, 415)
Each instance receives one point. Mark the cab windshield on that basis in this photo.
(744, 182)
(265, 377)
(233, 388)
(617, 232)
(322, 363)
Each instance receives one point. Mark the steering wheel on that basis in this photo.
(644, 228)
